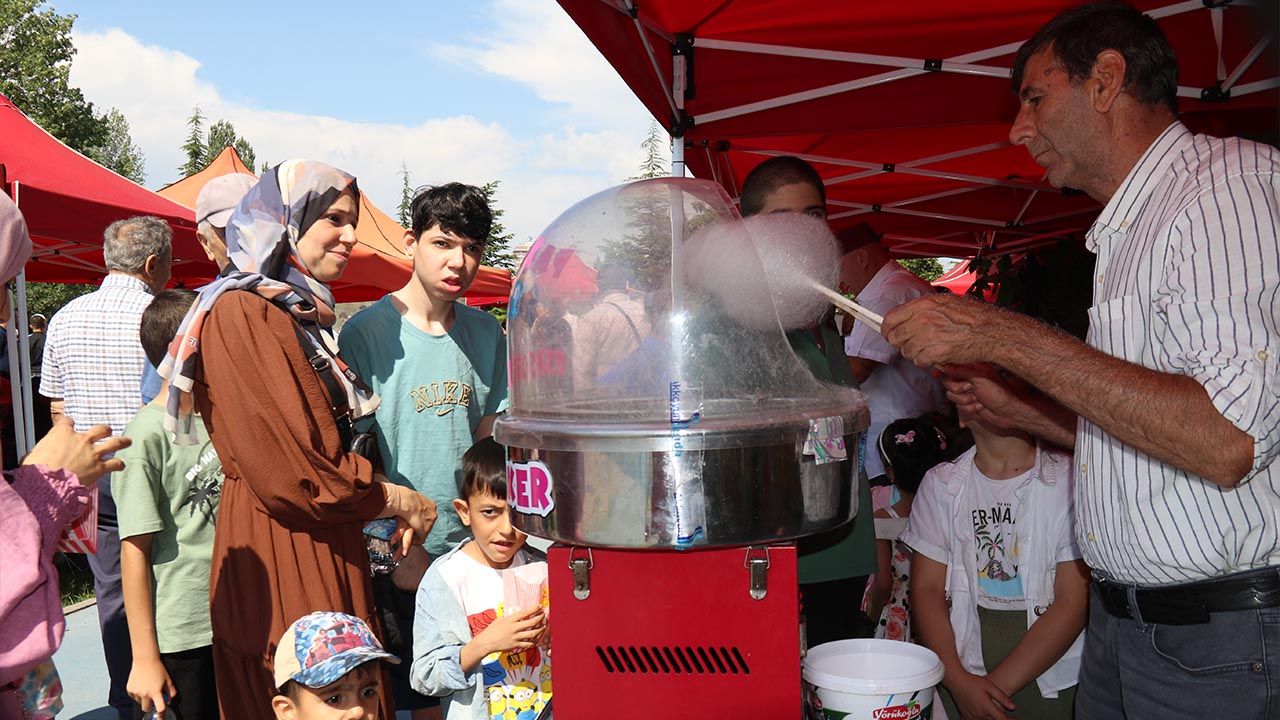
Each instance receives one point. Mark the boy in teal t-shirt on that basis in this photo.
(440, 369)
(166, 500)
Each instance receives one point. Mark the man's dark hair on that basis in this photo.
(484, 470)
(160, 322)
(1077, 36)
(462, 210)
(772, 174)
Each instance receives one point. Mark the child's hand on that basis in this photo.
(148, 685)
(518, 630)
(978, 698)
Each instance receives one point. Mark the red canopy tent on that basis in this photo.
(378, 265)
(904, 108)
(68, 200)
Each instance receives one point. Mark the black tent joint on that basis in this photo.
(933, 64)
(889, 167)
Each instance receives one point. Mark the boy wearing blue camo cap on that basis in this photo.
(325, 668)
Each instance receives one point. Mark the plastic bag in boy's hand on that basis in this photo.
(526, 587)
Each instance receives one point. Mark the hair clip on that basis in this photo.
(905, 438)
(942, 439)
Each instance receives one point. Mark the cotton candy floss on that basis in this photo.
(793, 254)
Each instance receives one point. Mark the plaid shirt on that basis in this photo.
(93, 358)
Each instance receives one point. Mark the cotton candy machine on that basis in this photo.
(664, 432)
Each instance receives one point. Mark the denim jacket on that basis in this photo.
(440, 630)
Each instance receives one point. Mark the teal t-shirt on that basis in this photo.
(849, 550)
(172, 492)
(434, 391)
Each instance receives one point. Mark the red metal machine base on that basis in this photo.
(670, 634)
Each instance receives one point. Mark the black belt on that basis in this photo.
(1191, 604)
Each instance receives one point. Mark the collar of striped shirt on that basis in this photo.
(1130, 197)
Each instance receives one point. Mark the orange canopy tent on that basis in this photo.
(378, 264)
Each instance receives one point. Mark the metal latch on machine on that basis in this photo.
(757, 562)
(581, 567)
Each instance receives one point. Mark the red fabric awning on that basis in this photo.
(903, 107)
(68, 200)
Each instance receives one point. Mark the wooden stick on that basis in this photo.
(857, 311)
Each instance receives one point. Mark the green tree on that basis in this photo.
(195, 146)
(119, 153)
(245, 151)
(35, 66)
(48, 298)
(656, 148)
(222, 134)
(404, 212)
(497, 248)
(927, 269)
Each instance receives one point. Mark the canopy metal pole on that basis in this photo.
(21, 326)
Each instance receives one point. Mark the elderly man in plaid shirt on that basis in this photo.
(92, 368)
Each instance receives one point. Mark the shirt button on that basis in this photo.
(1090, 537)
(1124, 225)
(1084, 468)
(1099, 279)
(1263, 355)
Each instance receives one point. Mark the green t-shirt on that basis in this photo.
(171, 491)
(434, 391)
(849, 550)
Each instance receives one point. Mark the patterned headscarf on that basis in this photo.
(262, 243)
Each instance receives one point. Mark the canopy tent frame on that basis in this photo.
(700, 127)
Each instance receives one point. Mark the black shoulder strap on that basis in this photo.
(320, 362)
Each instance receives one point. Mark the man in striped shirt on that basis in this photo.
(1173, 405)
(92, 368)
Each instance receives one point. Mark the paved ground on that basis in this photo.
(84, 672)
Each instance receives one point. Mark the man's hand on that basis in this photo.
(149, 683)
(944, 329)
(80, 453)
(978, 698)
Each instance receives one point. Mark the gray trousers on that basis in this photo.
(105, 565)
(1228, 667)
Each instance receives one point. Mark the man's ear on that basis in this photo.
(460, 507)
(409, 242)
(284, 708)
(149, 265)
(1106, 80)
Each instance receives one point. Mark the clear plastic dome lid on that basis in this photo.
(648, 303)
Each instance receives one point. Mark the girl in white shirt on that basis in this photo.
(998, 589)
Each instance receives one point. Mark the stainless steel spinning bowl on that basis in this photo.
(741, 479)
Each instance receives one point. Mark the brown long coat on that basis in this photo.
(289, 535)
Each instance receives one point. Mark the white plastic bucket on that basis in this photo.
(871, 680)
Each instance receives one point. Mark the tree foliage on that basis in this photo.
(656, 149)
(497, 248)
(927, 269)
(119, 153)
(48, 298)
(202, 148)
(35, 67)
(194, 147)
(404, 211)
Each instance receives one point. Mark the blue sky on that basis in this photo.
(473, 91)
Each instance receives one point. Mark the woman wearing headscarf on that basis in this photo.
(257, 353)
(49, 491)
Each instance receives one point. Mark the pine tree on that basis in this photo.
(497, 248)
(119, 153)
(654, 164)
(405, 215)
(245, 151)
(195, 146)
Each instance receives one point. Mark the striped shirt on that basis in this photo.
(1188, 282)
(93, 360)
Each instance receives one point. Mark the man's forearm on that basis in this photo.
(1166, 416)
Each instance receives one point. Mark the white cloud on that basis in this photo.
(156, 88)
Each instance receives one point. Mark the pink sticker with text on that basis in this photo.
(529, 487)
